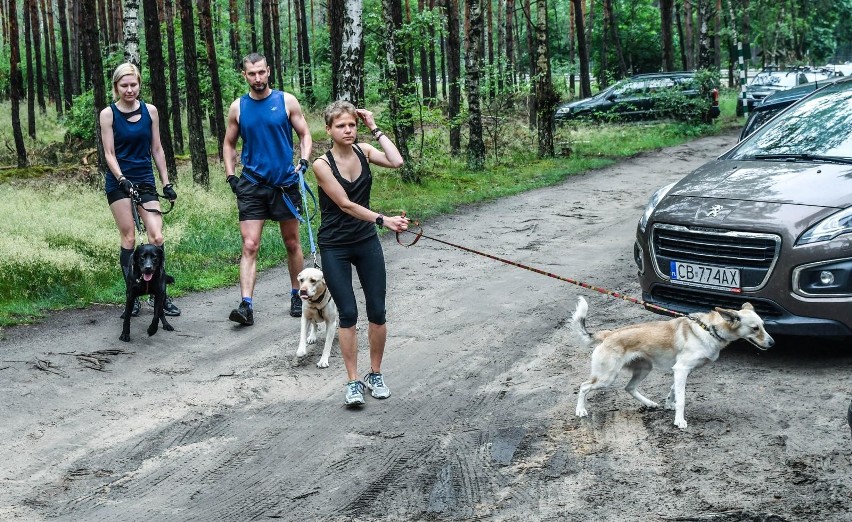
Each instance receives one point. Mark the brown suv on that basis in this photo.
(769, 222)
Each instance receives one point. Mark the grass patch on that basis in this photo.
(59, 245)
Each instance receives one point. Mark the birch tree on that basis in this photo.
(131, 33)
(351, 69)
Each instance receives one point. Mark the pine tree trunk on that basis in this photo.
(399, 85)
(16, 84)
(234, 32)
(705, 49)
(92, 56)
(666, 11)
(103, 25)
(278, 65)
(67, 82)
(336, 14)
(545, 97)
(531, 101)
(31, 95)
(35, 32)
(306, 74)
(510, 43)
(453, 75)
(688, 41)
(473, 64)
(582, 50)
(157, 82)
(350, 73)
(266, 34)
(616, 40)
(252, 25)
(206, 25)
(174, 87)
(433, 73)
(200, 169)
(52, 60)
(424, 63)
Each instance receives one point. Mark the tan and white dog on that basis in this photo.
(317, 307)
(681, 344)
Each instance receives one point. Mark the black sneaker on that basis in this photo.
(242, 314)
(295, 305)
(135, 311)
(169, 307)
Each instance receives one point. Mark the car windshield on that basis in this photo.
(766, 79)
(818, 126)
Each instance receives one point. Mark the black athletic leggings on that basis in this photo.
(369, 262)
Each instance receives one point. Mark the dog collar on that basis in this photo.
(710, 329)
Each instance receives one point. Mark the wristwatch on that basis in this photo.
(380, 220)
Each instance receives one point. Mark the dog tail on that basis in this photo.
(578, 321)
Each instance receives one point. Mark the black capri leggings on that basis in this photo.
(369, 262)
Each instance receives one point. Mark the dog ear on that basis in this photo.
(730, 315)
(747, 306)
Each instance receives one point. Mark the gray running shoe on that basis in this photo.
(376, 383)
(354, 393)
(295, 305)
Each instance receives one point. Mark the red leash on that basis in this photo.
(419, 234)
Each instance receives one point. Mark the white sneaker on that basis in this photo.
(376, 383)
(354, 393)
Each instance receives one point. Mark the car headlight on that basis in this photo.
(829, 228)
(652, 204)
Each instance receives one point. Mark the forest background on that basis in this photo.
(467, 89)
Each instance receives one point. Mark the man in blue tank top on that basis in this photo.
(268, 187)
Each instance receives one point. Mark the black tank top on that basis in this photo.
(336, 226)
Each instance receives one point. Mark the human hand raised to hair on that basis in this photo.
(367, 117)
(169, 192)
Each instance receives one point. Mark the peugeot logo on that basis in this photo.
(715, 210)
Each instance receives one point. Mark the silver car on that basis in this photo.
(769, 222)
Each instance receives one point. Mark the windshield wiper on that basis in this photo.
(804, 157)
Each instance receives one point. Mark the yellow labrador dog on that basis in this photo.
(681, 344)
(317, 307)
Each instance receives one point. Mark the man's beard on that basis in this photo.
(259, 87)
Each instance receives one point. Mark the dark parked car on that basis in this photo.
(769, 222)
(637, 97)
(771, 80)
(775, 103)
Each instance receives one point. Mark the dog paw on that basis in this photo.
(301, 351)
(680, 423)
(168, 328)
(152, 330)
(312, 339)
(581, 412)
(125, 338)
(670, 405)
(323, 363)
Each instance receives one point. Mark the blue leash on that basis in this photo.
(303, 186)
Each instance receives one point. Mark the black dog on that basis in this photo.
(146, 275)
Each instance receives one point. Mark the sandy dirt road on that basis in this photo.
(219, 422)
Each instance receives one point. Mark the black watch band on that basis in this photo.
(380, 220)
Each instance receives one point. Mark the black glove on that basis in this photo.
(169, 192)
(232, 181)
(126, 185)
(303, 166)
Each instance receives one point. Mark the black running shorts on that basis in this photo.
(262, 202)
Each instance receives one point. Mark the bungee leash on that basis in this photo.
(418, 234)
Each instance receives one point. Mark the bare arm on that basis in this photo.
(232, 132)
(330, 185)
(389, 156)
(157, 146)
(300, 125)
(108, 140)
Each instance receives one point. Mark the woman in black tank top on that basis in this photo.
(347, 238)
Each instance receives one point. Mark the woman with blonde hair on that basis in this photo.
(130, 132)
(347, 237)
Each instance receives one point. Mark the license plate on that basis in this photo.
(722, 277)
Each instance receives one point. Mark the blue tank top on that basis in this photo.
(132, 148)
(267, 136)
